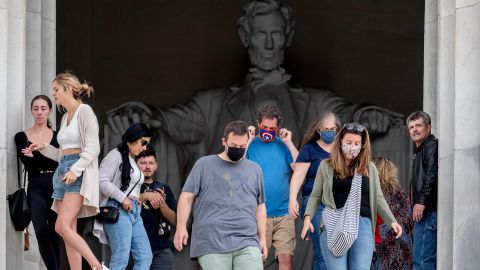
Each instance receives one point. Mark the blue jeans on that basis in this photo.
(128, 235)
(358, 257)
(318, 261)
(59, 186)
(425, 242)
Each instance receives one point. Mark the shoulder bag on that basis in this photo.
(110, 214)
(20, 211)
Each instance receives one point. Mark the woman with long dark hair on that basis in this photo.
(40, 172)
(347, 185)
(316, 146)
(120, 176)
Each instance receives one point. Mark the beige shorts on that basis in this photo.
(281, 234)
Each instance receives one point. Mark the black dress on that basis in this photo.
(39, 194)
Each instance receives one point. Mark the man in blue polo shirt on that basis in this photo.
(275, 155)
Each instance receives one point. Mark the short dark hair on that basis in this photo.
(270, 112)
(427, 120)
(236, 127)
(149, 152)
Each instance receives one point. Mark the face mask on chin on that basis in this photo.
(235, 153)
(351, 151)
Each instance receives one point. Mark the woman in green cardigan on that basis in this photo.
(347, 184)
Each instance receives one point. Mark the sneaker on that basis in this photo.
(103, 267)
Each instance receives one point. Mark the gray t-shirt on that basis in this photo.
(224, 210)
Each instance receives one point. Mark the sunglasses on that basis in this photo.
(145, 142)
(354, 127)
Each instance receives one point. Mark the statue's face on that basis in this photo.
(267, 41)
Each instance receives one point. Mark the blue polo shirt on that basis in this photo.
(274, 159)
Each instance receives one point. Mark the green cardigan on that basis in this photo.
(322, 193)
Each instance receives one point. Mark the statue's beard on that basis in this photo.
(266, 62)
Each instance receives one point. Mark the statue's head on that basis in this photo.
(266, 29)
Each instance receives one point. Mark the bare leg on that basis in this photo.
(285, 261)
(74, 258)
(66, 227)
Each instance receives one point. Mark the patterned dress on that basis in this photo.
(391, 253)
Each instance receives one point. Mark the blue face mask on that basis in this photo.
(328, 136)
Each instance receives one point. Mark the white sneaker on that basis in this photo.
(103, 267)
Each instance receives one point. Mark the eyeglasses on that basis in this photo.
(145, 142)
(354, 127)
(328, 129)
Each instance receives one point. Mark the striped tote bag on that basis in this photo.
(342, 224)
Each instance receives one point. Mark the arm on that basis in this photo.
(314, 200)
(293, 152)
(168, 207)
(296, 182)
(195, 115)
(107, 171)
(31, 160)
(317, 191)
(185, 203)
(88, 126)
(286, 136)
(51, 152)
(261, 214)
(430, 168)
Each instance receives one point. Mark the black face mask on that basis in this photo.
(235, 154)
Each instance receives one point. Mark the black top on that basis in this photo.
(152, 217)
(38, 162)
(341, 189)
(424, 181)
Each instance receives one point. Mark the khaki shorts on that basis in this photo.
(281, 234)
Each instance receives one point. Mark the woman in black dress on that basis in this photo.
(40, 170)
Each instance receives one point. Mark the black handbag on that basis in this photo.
(110, 214)
(20, 211)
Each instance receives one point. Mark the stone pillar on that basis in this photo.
(466, 233)
(458, 111)
(12, 93)
(430, 61)
(27, 63)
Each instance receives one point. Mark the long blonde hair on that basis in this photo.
(68, 80)
(387, 172)
(360, 163)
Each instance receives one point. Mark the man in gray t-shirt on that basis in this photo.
(229, 214)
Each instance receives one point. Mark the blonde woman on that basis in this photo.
(347, 185)
(391, 253)
(75, 182)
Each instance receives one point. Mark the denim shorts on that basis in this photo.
(59, 186)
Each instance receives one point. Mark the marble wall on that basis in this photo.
(27, 66)
(452, 63)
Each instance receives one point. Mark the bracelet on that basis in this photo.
(305, 217)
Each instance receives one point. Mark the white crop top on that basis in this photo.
(68, 136)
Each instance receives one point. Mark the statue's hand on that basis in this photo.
(121, 117)
(376, 119)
